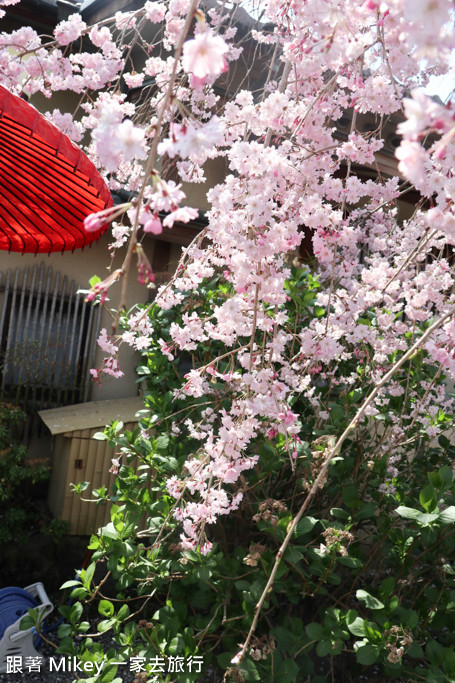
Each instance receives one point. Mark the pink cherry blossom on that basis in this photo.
(413, 159)
(182, 215)
(67, 31)
(287, 154)
(205, 55)
(153, 225)
(114, 466)
(154, 11)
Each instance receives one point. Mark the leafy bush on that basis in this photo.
(364, 587)
(18, 477)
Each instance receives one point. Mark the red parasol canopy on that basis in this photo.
(47, 184)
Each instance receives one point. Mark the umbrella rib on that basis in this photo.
(9, 238)
(23, 239)
(32, 195)
(25, 118)
(47, 184)
(24, 224)
(72, 235)
(59, 180)
(34, 141)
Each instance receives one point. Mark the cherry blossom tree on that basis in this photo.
(263, 89)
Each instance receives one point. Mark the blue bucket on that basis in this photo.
(14, 603)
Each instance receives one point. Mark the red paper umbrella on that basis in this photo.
(47, 184)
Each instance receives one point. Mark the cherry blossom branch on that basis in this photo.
(420, 245)
(150, 164)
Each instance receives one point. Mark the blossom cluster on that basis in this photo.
(270, 108)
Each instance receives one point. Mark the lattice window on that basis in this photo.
(47, 339)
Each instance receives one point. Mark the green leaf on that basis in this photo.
(292, 555)
(350, 495)
(286, 671)
(106, 608)
(435, 652)
(351, 615)
(64, 630)
(435, 479)
(446, 475)
(357, 627)
(99, 436)
(75, 612)
(339, 513)
(176, 645)
(109, 531)
(408, 616)
(70, 584)
(423, 518)
(366, 654)
(66, 647)
(372, 631)
(105, 625)
(203, 573)
(107, 674)
(366, 511)
(387, 586)
(393, 604)
(28, 621)
(249, 669)
(337, 413)
(447, 516)
(444, 441)
(327, 647)
(80, 487)
(427, 518)
(123, 613)
(305, 525)
(352, 562)
(78, 593)
(442, 479)
(435, 676)
(356, 395)
(94, 280)
(89, 573)
(407, 513)
(415, 651)
(428, 498)
(370, 601)
(162, 443)
(315, 631)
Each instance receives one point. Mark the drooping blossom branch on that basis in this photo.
(295, 108)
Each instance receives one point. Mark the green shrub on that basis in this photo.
(19, 477)
(364, 588)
